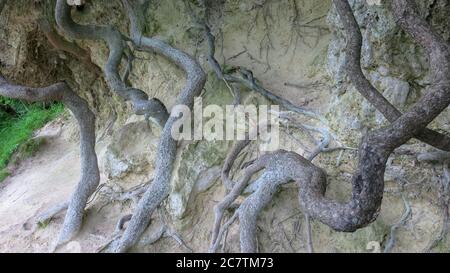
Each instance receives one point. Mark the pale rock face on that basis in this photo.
(374, 2)
(196, 169)
(76, 2)
(395, 90)
(115, 168)
(132, 150)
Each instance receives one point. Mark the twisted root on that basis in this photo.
(375, 148)
(195, 80)
(90, 176)
(153, 108)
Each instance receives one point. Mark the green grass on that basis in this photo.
(17, 131)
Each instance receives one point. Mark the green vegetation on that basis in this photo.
(3, 174)
(18, 121)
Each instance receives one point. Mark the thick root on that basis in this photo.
(376, 147)
(90, 176)
(153, 108)
(195, 81)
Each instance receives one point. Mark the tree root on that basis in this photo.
(163, 232)
(195, 81)
(153, 108)
(309, 242)
(112, 196)
(90, 176)
(116, 235)
(362, 84)
(263, 190)
(375, 148)
(133, 194)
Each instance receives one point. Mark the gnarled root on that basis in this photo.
(362, 84)
(90, 176)
(153, 108)
(374, 151)
(195, 80)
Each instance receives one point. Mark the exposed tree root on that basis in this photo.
(153, 108)
(111, 196)
(116, 235)
(262, 191)
(195, 80)
(133, 194)
(362, 84)
(309, 242)
(375, 148)
(90, 176)
(163, 232)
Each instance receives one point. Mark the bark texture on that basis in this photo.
(142, 105)
(90, 176)
(375, 148)
(195, 80)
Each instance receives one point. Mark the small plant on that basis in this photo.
(43, 224)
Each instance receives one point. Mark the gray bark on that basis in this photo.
(195, 81)
(375, 148)
(90, 176)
